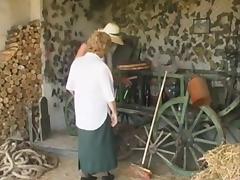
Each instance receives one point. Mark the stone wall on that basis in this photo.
(66, 27)
(165, 31)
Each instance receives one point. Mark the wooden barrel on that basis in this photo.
(198, 91)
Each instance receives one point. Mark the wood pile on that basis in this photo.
(20, 76)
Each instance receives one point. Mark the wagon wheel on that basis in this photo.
(182, 134)
(134, 118)
(69, 116)
(230, 121)
(230, 107)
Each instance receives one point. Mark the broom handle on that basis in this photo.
(154, 118)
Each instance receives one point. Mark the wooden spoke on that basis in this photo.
(204, 130)
(197, 147)
(184, 108)
(140, 139)
(158, 144)
(205, 141)
(169, 122)
(162, 157)
(149, 160)
(176, 115)
(184, 158)
(158, 138)
(137, 149)
(146, 130)
(196, 120)
(194, 156)
(169, 144)
(166, 151)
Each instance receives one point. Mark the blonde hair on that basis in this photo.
(99, 43)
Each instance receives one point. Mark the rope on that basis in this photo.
(19, 161)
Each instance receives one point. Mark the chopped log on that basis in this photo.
(7, 54)
(20, 75)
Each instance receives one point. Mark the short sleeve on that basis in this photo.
(106, 84)
(70, 82)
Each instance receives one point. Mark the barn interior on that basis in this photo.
(196, 42)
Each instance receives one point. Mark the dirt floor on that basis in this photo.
(67, 170)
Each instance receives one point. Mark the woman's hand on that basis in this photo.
(126, 82)
(114, 119)
(112, 107)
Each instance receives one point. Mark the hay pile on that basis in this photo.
(223, 163)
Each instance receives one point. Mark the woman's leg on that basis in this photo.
(87, 176)
(97, 152)
(108, 176)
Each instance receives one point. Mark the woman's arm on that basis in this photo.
(123, 80)
(82, 50)
(113, 108)
(106, 83)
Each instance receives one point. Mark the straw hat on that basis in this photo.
(113, 31)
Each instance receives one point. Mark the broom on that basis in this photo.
(140, 170)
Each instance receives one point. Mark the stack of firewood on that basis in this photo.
(20, 76)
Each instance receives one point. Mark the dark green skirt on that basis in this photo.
(96, 149)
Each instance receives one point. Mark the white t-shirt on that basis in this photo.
(92, 83)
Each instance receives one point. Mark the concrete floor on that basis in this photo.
(65, 146)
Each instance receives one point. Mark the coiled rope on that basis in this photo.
(19, 161)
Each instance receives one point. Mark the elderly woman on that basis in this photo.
(113, 31)
(91, 82)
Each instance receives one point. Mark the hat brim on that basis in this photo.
(116, 39)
